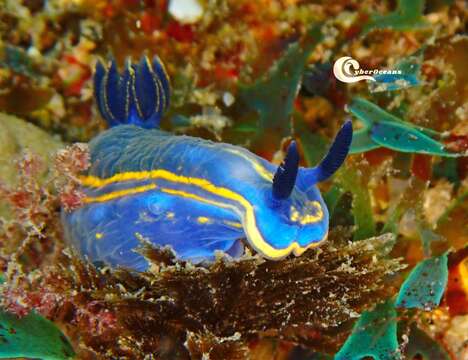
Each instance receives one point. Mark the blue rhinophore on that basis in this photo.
(194, 195)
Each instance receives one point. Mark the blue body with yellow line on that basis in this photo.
(193, 195)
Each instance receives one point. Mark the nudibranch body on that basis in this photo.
(195, 195)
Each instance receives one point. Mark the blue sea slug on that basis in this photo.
(195, 195)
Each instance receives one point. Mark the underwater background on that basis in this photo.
(391, 280)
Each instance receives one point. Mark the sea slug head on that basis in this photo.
(139, 95)
(290, 215)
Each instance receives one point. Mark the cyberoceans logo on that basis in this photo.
(346, 69)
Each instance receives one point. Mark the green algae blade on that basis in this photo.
(447, 168)
(405, 139)
(18, 60)
(272, 96)
(332, 197)
(314, 145)
(409, 76)
(407, 16)
(367, 112)
(362, 142)
(374, 334)
(425, 285)
(421, 344)
(427, 236)
(370, 113)
(410, 196)
(245, 128)
(319, 356)
(349, 180)
(459, 201)
(386, 130)
(32, 336)
(178, 121)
